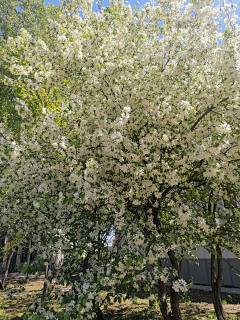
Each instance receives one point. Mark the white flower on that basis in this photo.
(224, 128)
(180, 285)
(62, 144)
(124, 168)
(36, 204)
(151, 297)
(15, 154)
(165, 138)
(42, 187)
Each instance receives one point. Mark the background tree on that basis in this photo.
(33, 16)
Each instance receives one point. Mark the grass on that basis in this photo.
(140, 310)
(195, 305)
(15, 307)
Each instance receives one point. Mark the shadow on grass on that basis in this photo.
(15, 307)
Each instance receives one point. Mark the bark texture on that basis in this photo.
(45, 284)
(100, 314)
(29, 251)
(4, 280)
(162, 296)
(174, 300)
(174, 296)
(216, 283)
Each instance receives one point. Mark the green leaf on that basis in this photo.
(129, 262)
(119, 300)
(60, 315)
(146, 289)
(67, 317)
(25, 316)
(84, 301)
(81, 195)
(24, 269)
(140, 259)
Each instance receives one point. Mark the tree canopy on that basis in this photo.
(147, 134)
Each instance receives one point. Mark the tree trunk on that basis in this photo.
(174, 296)
(162, 297)
(45, 284)
(29, 253)
(100, 314)
(216, 283)
(3, 281)
(174, 300)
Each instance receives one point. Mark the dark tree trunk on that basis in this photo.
(174, 296)
(216, 283)
(29, 249)
(162, 297)
(45, 284)
(100, 314)
(4, 280)
(98, 311)
(174, 300)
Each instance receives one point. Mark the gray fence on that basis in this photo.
(200, 273)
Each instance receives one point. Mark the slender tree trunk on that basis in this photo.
(216, 283)
(45, 284)
(174, 300)
(29, 253)
(3, 282)
(100, 314)
(162, 297)
(174, 296)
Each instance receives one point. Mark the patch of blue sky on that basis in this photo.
(138, 3)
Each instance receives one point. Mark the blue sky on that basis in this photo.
(138, 3)
(135, 2)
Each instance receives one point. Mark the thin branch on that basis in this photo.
(204, 114)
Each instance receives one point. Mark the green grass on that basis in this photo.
(14, 308)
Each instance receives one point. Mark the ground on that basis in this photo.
(194, 304)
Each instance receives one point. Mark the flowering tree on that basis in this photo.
(15, 15)
(32, 15)
(147, 128)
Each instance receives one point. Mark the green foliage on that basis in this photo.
(33, 16)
